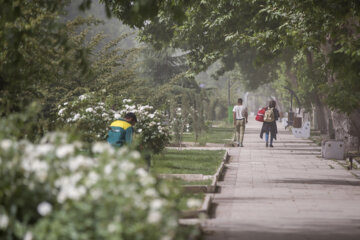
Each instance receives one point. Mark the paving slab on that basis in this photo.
(286, 192)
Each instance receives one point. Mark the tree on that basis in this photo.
(229, 30)
(33, 50)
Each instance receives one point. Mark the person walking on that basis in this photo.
(269, 125)
(240, 117)
(121, 130)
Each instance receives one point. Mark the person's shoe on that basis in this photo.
(238, 144)
(241, 145)
(271, 145)
(267, 145)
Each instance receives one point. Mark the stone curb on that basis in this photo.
(193, 177)
(206, 205)
(212, 187)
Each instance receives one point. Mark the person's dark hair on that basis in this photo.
(240, 100)
(272, 104)
(132, 116)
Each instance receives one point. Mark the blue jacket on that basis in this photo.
(120, 133)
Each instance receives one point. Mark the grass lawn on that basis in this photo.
(188, 161)
(213, 135)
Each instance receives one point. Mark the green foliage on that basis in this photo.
(23, 125)
(258, 34)
(34, 50)
(91, 115)
(58, 189)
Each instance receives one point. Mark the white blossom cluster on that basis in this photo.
(97, 116)
(69, 175)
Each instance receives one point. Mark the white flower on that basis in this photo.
(6, 144)
(111, 227)
(76, 117)
(44, 208)
(108, 169)
(139, 130)
(117, 115)
(193, 203)
(40, 168)
(65, 150)
(156, 204)
(60, 113)
(80, 161)
(89, 110)
(68, 188)
(92, 178)
(122, 176)
(154, 217)
(126, 166)
(148, 180)
(82, 97)
(44, 149)
(96, 193)
(104, 115)
(141, 172)
(150, 192)
(100, 147)
(28, 236)
(4, 221)
(135, 155)
(151, 115)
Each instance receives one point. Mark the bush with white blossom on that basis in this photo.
(92, 114)
(56, 190)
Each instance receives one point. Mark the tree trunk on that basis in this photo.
(347, 127)
(321, 115)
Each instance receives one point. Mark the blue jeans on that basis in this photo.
(267, 138)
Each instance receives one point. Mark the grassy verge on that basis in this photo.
(213, 135)
(188, 161)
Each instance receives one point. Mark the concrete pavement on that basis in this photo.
(286, 192)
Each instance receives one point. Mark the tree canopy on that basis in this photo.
(257, 35)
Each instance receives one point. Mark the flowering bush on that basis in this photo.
(92, 116)
(55, 190)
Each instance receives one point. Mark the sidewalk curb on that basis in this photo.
(206, 205)
(212, 187)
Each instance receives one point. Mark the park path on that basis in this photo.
(286, 192)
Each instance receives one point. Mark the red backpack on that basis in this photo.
(260, 115)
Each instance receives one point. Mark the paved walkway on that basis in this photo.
(287, 192)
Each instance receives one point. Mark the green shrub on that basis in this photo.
(57, 190)
(91, 114)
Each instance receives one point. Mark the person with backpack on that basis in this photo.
(269, 127)
(240, 117)
(121, 130)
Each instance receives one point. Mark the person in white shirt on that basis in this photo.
(240, 116)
